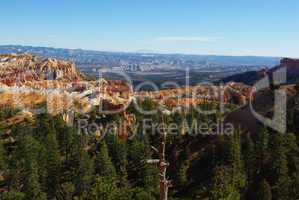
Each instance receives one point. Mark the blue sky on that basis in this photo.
(228, 27)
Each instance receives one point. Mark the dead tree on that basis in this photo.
(162, 164)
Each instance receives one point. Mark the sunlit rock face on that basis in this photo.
(59, 85)
(17, 69)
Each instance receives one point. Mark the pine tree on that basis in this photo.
(264, 191)
(262, 150)
(222, 186)
(84, 174)
(292, 152)
(119, 158)
(263, 141)
(236, 162)
(182, 168)
(3, 159)
(145, 175)
(281, 188)
(13, 195)
(103, 164)
(33, 189)
(45, 126)
(32, 186)
(295, 184)
(141, 194)
(64, 137)
(52, 165)
(104, 188)
(182, 175)
(249, 158)
(68, 190)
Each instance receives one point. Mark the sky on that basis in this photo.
(223, 27)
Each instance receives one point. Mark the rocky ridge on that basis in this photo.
(30, 78)
(251, 77)
(17, 69)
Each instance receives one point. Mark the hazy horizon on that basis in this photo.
(146, 51)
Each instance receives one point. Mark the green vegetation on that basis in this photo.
(49, 160)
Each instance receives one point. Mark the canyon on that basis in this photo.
(30, 81)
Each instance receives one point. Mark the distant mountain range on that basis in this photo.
(153, 67)
(111, 59)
